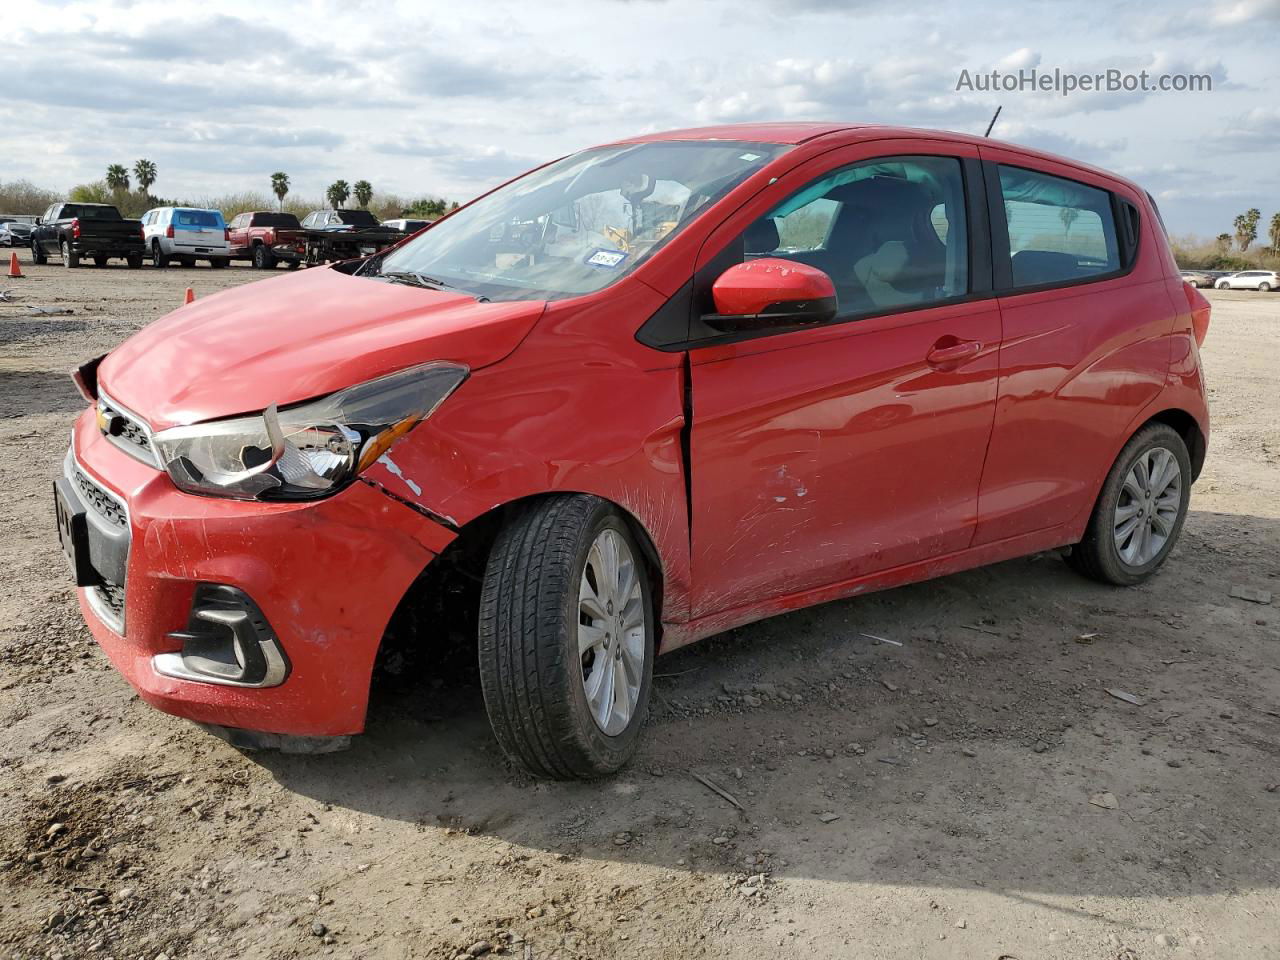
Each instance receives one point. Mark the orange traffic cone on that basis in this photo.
(14, 269)
(191, 295)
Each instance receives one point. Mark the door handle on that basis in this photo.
(951, 355)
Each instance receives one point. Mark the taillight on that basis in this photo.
(75, 228)
(168, 231)
(226, 234)
(1200, 310)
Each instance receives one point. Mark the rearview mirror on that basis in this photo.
(771, 292)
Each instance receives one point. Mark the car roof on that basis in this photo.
(794, 133)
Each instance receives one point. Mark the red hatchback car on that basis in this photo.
(635, 397)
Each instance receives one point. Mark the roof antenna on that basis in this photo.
(993, 120)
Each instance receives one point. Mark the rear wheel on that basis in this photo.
(263, 258)
(1264, 287)
(70, 259)
(37, 253)
(1140, 511)
(566, 638)
(158, 258)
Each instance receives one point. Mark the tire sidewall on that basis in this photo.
(606, 753)
(1157, 435)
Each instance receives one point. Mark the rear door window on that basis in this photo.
(1060, 231)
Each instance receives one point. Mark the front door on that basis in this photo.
(824, 454)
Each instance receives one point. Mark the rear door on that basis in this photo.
(1086, 322)
(198, 231)
(824, 454)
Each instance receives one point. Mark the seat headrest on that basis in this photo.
(761, 236)
(1043, 266)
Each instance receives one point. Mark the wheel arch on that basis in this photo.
(1188, 428)
(446, 594)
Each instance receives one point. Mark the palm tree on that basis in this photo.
(363, 191)
(280, 186)
(1247, 228)
(1068, 216)
(1275, 234)
(337, 193)
(144, 171)
(118, 177)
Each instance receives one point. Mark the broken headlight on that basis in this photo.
(309, 450)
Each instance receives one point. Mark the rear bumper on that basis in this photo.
(87, 246)
(326, 576)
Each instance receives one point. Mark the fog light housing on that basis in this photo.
(227, 642)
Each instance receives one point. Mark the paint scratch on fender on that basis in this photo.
(391, 465)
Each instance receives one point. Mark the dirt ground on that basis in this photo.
(973, 792)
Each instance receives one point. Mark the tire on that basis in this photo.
(532, 674)
(70, 259)
(1264, 287)
(158, 258)
(37, 253)
(217, 263)
(99, 261)
(263, 259)
(1099, 556)
(1222, 285)
(134, 260)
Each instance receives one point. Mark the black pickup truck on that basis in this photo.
(95, 230)
(346, 235)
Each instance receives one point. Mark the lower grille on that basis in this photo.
(98, 500)
(107, 601)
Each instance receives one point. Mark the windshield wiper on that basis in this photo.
(422, 280)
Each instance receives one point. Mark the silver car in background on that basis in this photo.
(186, 234)
(1263, 280)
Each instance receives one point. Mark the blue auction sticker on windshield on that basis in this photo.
(606, 258)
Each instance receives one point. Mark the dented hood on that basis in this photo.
(296, 337)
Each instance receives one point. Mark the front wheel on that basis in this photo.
(1140, 511)
(37, 253)
(567, 638)
(1222, 285)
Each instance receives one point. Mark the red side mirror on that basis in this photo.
(771, 292)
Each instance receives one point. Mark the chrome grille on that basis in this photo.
(125, 430)
(99, 500)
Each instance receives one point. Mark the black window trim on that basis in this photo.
(1002, 263)
(678, 312)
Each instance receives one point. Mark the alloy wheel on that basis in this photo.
(1147, 509)
(611, 632)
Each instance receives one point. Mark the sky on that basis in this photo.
(447, 99)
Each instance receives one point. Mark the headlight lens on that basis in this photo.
(310, 450)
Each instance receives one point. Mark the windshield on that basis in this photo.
(578, 224)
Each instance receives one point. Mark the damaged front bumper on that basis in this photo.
(238, 614)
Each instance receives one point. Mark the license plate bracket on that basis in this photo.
(73, 535)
